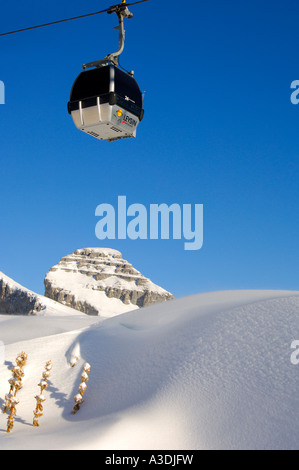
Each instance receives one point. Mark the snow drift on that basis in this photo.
(211, 371)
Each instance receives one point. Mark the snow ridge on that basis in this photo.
(207, 372)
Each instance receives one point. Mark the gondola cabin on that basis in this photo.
(106, 103)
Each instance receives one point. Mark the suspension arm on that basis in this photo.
(122, 12)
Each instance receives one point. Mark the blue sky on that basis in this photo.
(219, 130)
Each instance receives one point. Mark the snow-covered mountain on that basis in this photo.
(17, 300)
(211, 371)
(98, 281)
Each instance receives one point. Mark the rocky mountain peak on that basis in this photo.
(98, 281)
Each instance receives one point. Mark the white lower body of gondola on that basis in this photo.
(106, 122)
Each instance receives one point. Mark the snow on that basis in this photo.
(51, 308)
(109, 252)
(211, 371)
(13, 284)
(85, 289)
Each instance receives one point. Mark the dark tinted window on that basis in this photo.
(91, 83)
(127, 87)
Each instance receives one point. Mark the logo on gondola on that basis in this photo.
(123, 118)
(129, 99)
(128, 120)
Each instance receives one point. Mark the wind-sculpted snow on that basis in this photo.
(211, 371)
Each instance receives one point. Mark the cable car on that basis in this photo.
(105, 101)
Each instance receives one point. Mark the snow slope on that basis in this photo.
(211, 371)
(14, 293)
(84, 290)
